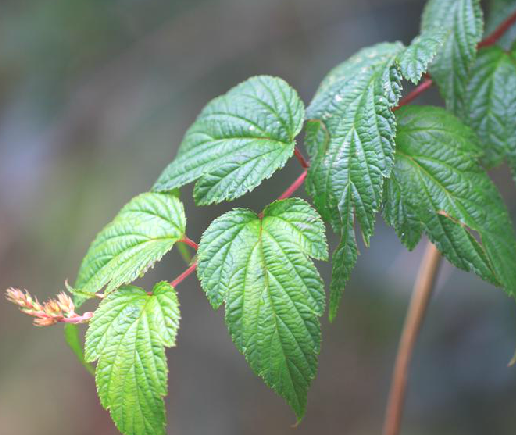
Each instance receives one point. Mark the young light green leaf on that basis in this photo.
(142, 232)
(498, 12)
(238, 140)
(414, 60)
(463, 20)
(260, 268)
(439, 180)
(350, 138)
(127, 335)
(490, 103)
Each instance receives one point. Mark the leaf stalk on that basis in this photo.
(499, 31)
(189, 242)
(184, 275)
(294, 186)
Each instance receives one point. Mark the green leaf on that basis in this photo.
(463, 20)
(344, 257)
(490, 103)
(499, 11)
(238, 140)
(438, 179)
(127, 335)
(260, 268)
(73, 340)
(401, 214)
(414, 60)
(142, 232)
(350, 138)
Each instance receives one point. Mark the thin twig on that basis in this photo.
(78, 318)
(499, 31)
(304, 162)
(294, 186)
(423, 287)
(189, 242)
(184, 275)
(422, 87)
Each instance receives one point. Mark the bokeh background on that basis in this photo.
(95, 96)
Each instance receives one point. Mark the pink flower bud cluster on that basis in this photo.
(49, 313)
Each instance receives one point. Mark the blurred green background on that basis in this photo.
(94, 99)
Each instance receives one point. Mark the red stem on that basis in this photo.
(422, 87)
(294, 186)
(78, 318)
(184, 275)
(304, 163)
(499, 31)
(189, 242)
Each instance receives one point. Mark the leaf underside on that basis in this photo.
(463, 21)
(260, 268)
(127, 335)
(350, 139)
(139, 236)
(238, 140)
(438, 186)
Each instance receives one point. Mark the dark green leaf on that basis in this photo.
(401, 214)
(350, 138)
(414, 60)
(490, 103)
(463, 20)
(438, 178)
(344, 257)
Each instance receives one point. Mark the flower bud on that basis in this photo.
(44, 321)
